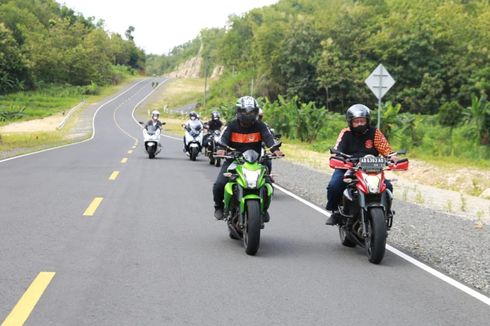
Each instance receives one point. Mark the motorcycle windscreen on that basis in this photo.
(151, 129)
(195, 128)
(251, 156)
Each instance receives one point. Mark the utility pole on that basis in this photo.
(205, 81)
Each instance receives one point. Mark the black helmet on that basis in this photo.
(247, 109)
(357, 111)
(215, 115)
(193, 114)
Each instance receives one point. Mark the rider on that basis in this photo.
(260, 117)
(192, 123)
(214, 124)
(243, 133)
(154, 120)
(358, 140)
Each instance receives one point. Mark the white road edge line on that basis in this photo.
(80, 142)
(132, 114)
(475, 294)
(136, 106)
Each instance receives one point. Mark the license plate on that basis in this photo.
(372, 163)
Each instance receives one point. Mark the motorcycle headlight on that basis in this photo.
(372, 182)
(251, 177)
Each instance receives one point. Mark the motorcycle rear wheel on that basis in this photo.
(251, 234)
(376, 235)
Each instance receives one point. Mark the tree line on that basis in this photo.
(321, 51)
(43, 43)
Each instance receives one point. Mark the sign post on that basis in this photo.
(379, 82)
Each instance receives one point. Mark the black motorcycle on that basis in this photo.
(212, 145)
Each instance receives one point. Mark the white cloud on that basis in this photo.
(161, 25)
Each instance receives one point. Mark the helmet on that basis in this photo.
(247, 109)
(357, 111)
(215, 115)
(192, 115)
(155, 113)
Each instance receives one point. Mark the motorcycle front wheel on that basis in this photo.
(151, 152)
(376, 235)
(193, 153)
(251, 232)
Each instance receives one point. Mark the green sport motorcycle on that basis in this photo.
(247, 197)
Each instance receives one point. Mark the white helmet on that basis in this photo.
(155, 113)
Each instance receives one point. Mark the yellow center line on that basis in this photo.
(130, 151)
(114, 175)
(124, 160)
(90, 211)
(26, 304)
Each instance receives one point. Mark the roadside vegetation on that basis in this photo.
(307, 61)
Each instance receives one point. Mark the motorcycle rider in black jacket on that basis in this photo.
(243, 133)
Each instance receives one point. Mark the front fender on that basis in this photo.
(245, 198)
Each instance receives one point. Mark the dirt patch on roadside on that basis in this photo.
(36, 125)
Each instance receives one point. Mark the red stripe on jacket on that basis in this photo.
(254, 137)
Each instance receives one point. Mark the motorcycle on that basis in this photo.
(151, 136)
(212, 147)
(366, 214)
(247, 197)
(193, 139)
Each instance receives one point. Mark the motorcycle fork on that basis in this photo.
(362, 212)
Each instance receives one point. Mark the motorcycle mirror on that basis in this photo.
(164, 123)
(402, 151)
(140, 122)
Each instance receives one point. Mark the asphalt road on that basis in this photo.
(152, 254)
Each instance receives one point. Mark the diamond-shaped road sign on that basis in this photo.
(380, 81)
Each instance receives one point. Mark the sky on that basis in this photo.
(161, 25)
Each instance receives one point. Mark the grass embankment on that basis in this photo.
(43, 103)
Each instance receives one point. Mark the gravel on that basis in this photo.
(445, 242)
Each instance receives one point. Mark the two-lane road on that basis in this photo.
(151, 253)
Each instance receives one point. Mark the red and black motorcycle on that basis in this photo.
(366, 202)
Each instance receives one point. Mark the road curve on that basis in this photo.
(150, 252)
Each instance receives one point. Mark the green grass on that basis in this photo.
(12, 144)
(52, 99)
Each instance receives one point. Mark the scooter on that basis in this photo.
(151, 135)
(193, 140)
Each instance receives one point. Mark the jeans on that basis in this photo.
(336, 188)
(219, 185)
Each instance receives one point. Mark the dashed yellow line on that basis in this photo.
(90, 211)
(28, 301)
(124, 160)
(130, 151)
(114, 175)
